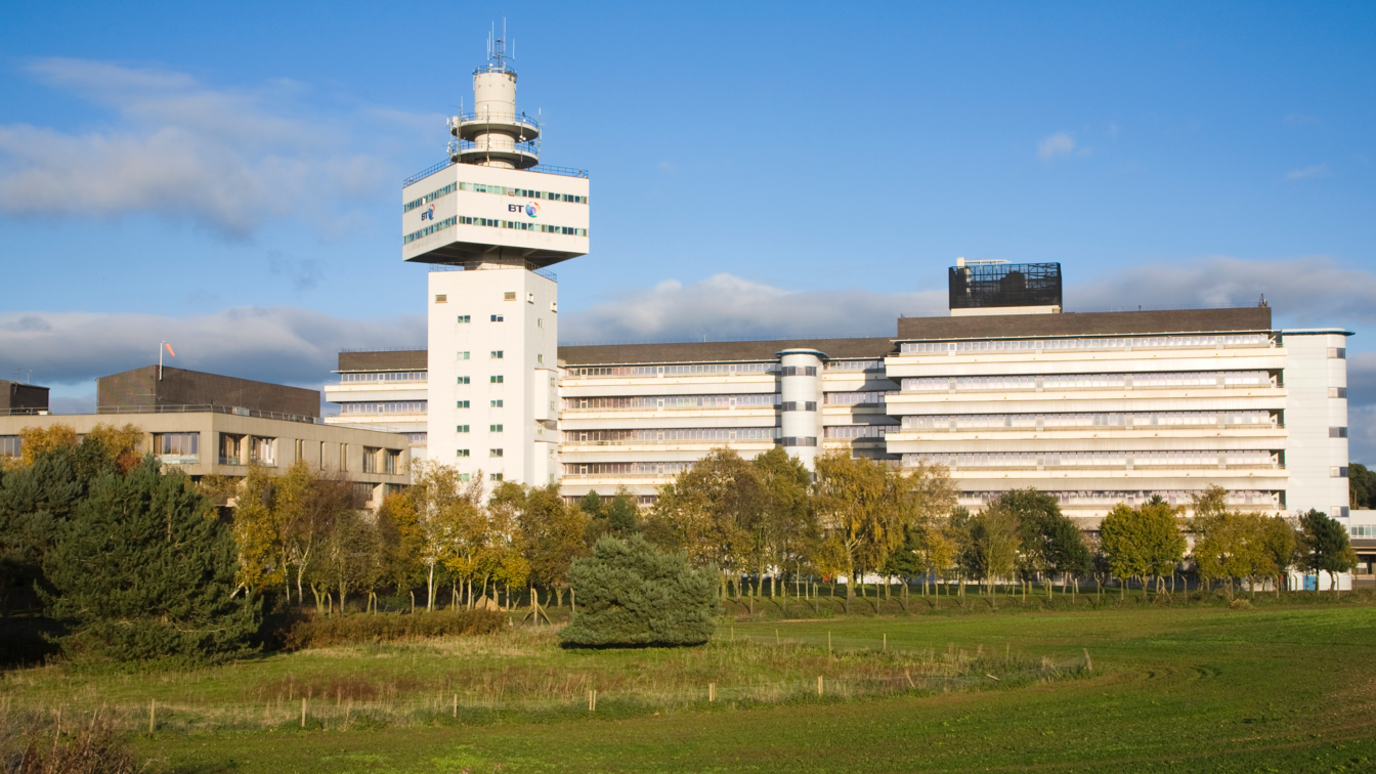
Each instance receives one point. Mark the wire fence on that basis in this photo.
(354, 704)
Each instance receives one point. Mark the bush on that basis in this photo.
(144, 569)
(631, 594)
(383, 627)
(89, 748)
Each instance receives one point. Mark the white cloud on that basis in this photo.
(1318, 170)
(223, 159)
(1314, 291)
(277, 344)
(726, 306)
(1056, 145)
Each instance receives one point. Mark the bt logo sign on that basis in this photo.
(530, 208)
(428, 214)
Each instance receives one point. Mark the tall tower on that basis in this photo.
(490, 220)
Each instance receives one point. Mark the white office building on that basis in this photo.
(1008, 391)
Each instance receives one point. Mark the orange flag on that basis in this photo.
(169, 349)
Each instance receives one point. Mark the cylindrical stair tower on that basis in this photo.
(800, 393)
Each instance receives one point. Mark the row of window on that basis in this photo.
(490, 453)
(855, 365)
(1088, 419)
(503, 190)
(798, 371)
(672, 402)
(463, 404)
(384, 407)
(1149, 380)
(1173, 458)
(626, 468)
(383, 376)
(856, 398)
(696, 369)
(517, 225)
(857, 431)
(430, 197)
(798, 405)
(671, 435)
(1053, 345)
(1237, 497)
(465, 428)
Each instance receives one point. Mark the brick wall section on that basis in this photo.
(140, 387)
(14, 395)
(1182, 321)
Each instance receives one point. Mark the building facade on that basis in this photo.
(491, 221)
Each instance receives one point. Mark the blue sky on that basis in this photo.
(227, 177)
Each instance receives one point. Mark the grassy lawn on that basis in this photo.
(1285, 689)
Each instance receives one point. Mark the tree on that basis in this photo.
(994, 542)
(1050, 541)
(347, 555)
(631, 594)
(1281, 545)
(1326, 546)
(1141, 542)
(35, 501)
(144, 569)
(1230, 546)
(715, 508)
(1361, 485)
(443, 517)
(554, 534)
(859, 529)
(786, 529)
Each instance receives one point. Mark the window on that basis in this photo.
(495, 404)
(1338, 352)
(463, 477)
(1338, 472)
(495, 379)
(460, 452)
(441, 298)
(798, 371)
(494, 428)
(509, 296)
(496, 318)
(262, 451)
(461, 404)
(496, 477)
(370, 459)
(460, 428)
(530, 298)
(494, 452)
(462, 355)
(186, 446)
(462, 380)
(1337, 392)
(539, 322)
(391, 461)
(10, 446)
(497, 354)
(539, 358)
(463, 318)
(1337, 432)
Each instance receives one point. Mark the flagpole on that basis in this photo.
(161, 344)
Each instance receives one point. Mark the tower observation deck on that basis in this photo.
(494, 134)
(491, 202)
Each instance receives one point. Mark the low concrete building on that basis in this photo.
(217, 436)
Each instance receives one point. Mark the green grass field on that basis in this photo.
(1198, 689)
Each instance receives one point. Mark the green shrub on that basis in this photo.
(144, 569)
(631, 594)
(384, 627)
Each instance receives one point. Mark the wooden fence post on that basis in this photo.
(819, 685)
(1089, 665)
(303, 711)
(152, 708)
